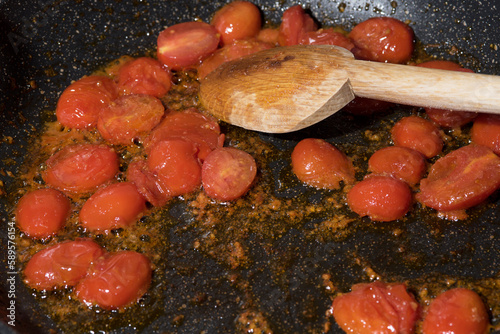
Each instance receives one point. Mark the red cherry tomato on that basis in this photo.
(380, 197)
(320, 164)
(176, 166)
(144, 76)
(461, 179)
(117, 205)
(63, 264)
(269, 35)
(190, 125)
(237, 20)
(376, 308)
(116, 280)
(403, 163)
(326, 37)
(233, 50)
(129, 117)
(228, 173)
(366, 106)
(294, 24)
(186, 44)
(457, 311)
(42, 213)
(148, 184)
(383, 39)
(442, 117)
(486, 131)
(81, 168)
(419, 134)
(81, 102)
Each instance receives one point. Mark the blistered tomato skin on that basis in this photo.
(237, 20)
(419, 134)
(382, 198)
(63, 264)
(144, 75)
(486, 131)
(186, 44)
(320, 164)
(326, 36)
(42, 213)
(457, 311)
(228, 173)
(461, 179)
(80, 103)
(294, 24)
(117, 205)
(116, 280)
(383, 39)
(376, 308)
(81, 168)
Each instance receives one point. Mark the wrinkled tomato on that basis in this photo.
(144, 75)
(419, 134)
(148, 184)
(326, 36)
(295, 22)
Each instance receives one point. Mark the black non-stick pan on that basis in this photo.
(45, 44)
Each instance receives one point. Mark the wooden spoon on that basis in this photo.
(289, 88)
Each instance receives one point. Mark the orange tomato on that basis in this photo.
(237, 20)
(486, 131)
(144, 75)
(419, 134)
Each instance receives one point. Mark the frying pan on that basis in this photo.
(45, 44)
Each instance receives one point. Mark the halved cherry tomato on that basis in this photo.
(233, 50)
(486, 131)
(237, 20)
(326, 36)
(116, 280)
(380, 197)
(148, 184)
(186, 44)
(63, 264)
(383, 39)
(129, 117)
(269, 35)
(117, 205)
(144, 75)
(81, 168)
(403, 163)
(320, 164)
(81, 102)
(442, 117)
(419, 134)
(461, 179)
(294, 24)
(376, 308)
(175, 164)
(42, 213)
(228, 173)
(190, 125)
(365, 106)
(457, 311)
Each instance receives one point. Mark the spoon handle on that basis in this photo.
(423, 87)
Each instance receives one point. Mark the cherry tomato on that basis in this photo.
(63, 264)
(457, 311)
(403, 163)
(129, 117)
(81, 102)
(486, 131)
(42, 213)
(376, 308)
(186, 44)
(148, 184)
(366, 106)
(190, 125)
(269, 35)
(294, 24)
(117, 205)
(144, 76)
(380, 197)
(442, 117)
(320, 164)
(419, 134)
(233, 50)
(81, 168)
(116, 280)
(176, 166)
(461, 179)
(383, 39)
(237, 20)
(326, 37)
(228, 173)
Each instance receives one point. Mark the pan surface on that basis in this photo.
(46, 44)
